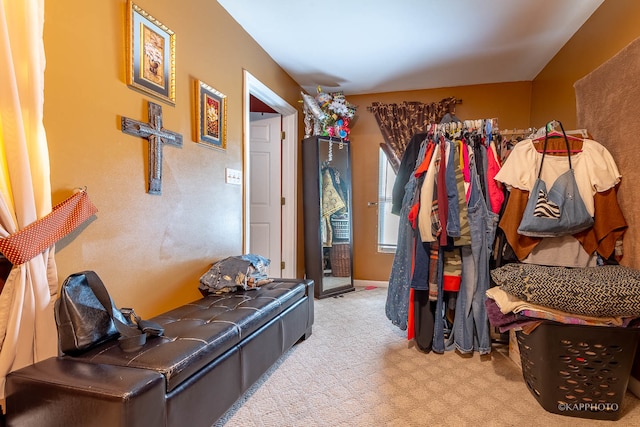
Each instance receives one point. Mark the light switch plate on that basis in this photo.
(233, 176)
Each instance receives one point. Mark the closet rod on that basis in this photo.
(531, 131)
(508, 132)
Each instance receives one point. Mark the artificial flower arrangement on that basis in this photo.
(331, 112)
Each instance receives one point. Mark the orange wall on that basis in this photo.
(509, 102)
(611, 27)
(150, 250)
(549, 96)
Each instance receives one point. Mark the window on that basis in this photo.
(387, 222)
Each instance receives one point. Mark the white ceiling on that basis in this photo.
(371, 46)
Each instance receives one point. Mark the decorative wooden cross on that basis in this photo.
(157, 136)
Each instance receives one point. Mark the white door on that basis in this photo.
(266, 189)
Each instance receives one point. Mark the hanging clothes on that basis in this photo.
(597, 176)
(470, 330)
(452, 203)
(448, 202)
(333, 202)
(406, 169)
(594, 169)
(495, 188)
(398, 292)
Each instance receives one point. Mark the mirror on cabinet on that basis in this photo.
(328, 235)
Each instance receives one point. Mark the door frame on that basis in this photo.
(289, 168)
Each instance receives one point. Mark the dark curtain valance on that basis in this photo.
(399, 122)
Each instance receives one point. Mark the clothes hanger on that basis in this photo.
(551, 126)
(553, 133)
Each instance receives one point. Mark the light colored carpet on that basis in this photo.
(357, 369)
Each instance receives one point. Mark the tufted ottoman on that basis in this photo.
(212, 351)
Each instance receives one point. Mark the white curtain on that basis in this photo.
(27, 327)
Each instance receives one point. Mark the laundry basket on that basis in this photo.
(576, 370)
(340, 257)
(340, 227)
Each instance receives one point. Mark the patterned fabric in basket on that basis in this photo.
(611, 290)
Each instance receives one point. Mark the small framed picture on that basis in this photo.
(211, 116)
(151, 52)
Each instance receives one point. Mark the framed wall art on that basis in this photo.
(211, 116)
(151, 53)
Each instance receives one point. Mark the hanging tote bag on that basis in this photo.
(558, 211)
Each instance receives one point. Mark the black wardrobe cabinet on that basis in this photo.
(328, 235)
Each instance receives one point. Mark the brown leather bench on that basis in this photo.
(212, 351)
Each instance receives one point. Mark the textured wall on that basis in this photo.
(607, 105)
(149, 250)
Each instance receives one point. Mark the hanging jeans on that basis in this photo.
(398, 293)
(453, 219)
(420, 277)
(471, 324)
(438, 345)
(397, 304)
(422, 306)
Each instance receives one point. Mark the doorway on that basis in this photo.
(265, 169)
(288, 175)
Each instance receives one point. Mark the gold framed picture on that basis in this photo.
(151, 53)
(211, 116)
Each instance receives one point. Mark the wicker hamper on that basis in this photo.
(340, 257)
(576, 370)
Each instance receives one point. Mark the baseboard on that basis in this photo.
(376, 283)
(634, 386)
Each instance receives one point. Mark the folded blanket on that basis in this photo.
(610, 290)
(512, 304)
(506, 321)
